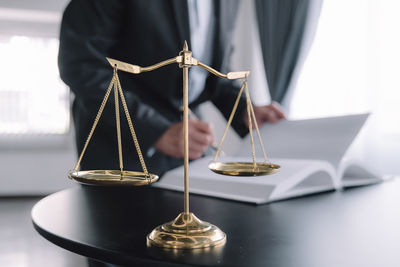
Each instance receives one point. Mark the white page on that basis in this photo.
(255, 189)
(355, 173)
(321, 139)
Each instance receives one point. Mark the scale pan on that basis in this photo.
(112, 177)
(243, 168)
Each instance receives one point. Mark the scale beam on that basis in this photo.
(186, 231)
(135, 69)
(186, 60)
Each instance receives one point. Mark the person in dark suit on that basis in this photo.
(143, 33)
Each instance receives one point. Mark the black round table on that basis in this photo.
(354, 227)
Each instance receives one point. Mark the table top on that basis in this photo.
(354, 227)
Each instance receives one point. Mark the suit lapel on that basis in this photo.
(180, 9)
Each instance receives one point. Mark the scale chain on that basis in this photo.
(132, 130)
(248, 102)
(229, 121)
(96, 120)
(258, 132)
(118, 124)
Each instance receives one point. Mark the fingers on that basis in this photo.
(271, 113)
(201, 126)
(200, 132)
(171, 141)
(200, 137)
(196, 151)
(277, 109)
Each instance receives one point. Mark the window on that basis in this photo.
(352, 67)
(33, 99)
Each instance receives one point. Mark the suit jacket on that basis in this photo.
(142, 33)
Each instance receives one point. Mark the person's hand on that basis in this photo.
(270, 113)
(200, 137)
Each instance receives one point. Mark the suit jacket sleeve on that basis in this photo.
(224, 100)
(89, 30)
(225, 93)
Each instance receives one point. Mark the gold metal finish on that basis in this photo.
(135, 69)
(253, 153)
(229, 75)
(228, 124)
(96, 121)
(186, 232)
(132, 130)
(117, 120)
(185, 66)
(185, 61)
(243, 168)
(114, 177)
(188, 60)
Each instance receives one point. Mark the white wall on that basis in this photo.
(36, 169)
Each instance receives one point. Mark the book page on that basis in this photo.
(354, 173)
(292, 180)
(322, 139)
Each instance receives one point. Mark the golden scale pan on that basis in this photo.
(186, 231)
(114, 177)
(253, 168)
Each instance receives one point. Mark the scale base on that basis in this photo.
(186, 232)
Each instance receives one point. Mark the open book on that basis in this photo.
(310, 153)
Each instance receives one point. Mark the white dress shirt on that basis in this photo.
(201, 20)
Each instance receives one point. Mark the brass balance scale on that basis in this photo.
(186, 231)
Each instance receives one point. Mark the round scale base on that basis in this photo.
(112, 177)
(186, 232)
(243, 168)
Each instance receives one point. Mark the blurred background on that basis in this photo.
(343, 57)
(35, 128)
